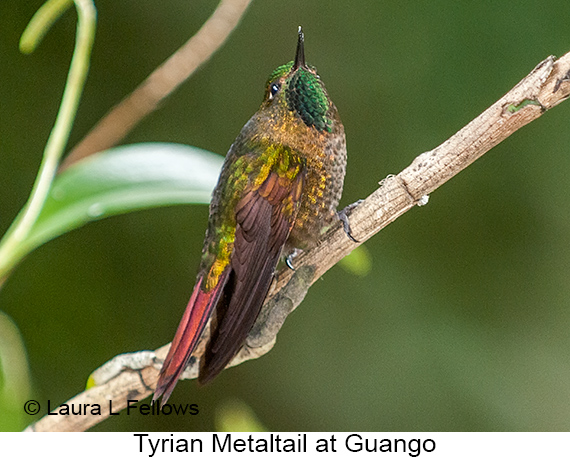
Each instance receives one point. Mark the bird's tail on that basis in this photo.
(195, 317)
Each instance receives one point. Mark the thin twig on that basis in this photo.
(545, 87)
(161, 82)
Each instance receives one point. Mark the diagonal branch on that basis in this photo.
(146, 98)
(133, 376)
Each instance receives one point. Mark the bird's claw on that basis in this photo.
(343, 218)
(290, 257)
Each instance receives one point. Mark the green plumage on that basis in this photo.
(280, 71)
(306, 96)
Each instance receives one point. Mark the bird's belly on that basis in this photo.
(317, 212)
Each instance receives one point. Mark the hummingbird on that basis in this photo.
(278, 190)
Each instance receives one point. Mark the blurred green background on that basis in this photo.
(462, 323)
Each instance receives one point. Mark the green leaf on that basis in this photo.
(358, 262)
(122, 180)
(237, 416)
(15, 382)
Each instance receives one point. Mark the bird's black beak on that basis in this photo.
(300, 55)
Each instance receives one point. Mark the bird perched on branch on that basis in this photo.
(278, 190)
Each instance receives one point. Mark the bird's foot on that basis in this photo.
(343, 218)
(290, 257)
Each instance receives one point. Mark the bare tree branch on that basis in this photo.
(161, 82)
(127, 377)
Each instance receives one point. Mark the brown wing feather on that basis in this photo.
(264, 220)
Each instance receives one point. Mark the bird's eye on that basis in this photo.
(273, 89)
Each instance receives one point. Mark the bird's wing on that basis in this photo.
(264, 218)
